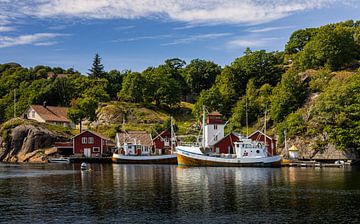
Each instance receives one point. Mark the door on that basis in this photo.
(87, 152)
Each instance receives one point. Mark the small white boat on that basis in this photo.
(59, 160)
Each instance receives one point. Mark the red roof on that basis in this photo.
(215, 113)
(94, 133)
(142, 137)
(261, 133)
(163, 133)
(50, 113)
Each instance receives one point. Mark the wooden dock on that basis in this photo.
(299, 163)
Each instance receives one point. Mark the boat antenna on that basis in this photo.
(286, 149)
(246, 113)
(203, 126)
(173, 137)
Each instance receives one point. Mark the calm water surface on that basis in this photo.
(113, 193)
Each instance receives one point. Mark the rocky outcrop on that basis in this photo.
(318, 148)
(27, 141)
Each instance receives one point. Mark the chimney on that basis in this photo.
(44, 104)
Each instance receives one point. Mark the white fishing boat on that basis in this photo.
(59, 160)
(247, 151)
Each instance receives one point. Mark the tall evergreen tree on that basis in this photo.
(97, 69)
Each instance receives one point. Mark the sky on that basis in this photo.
(136, 34)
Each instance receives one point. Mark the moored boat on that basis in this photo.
(247, 153)
(137, 147)
(243, 152)
(148, 159)
(59, 160)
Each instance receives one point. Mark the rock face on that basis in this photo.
(27, 142)
(329, 152)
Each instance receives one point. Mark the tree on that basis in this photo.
(332, 47)
(115, 79)
(161, 87)
(76, 115)
(211, 99)
(201, 75)
(287, 96)
(97, 69)
(337, 112)
(299, 39)
(132, 88)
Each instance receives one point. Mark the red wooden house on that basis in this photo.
(91, 144)
(270, 142)
(162, 143)
(226, 144)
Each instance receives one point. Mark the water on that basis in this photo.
(113, 193)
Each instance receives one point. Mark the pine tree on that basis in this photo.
(97, 70)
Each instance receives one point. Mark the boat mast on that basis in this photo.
(203, 126)
(173, 138)
(247, 121)
(265, 130)
(286, 149)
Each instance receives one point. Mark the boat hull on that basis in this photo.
(55, 160)
(163, 159)
(203, 160)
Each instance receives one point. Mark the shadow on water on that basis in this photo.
(168, 193)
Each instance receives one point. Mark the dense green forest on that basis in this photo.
(310, 89)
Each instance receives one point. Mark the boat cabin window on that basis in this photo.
(257, 151)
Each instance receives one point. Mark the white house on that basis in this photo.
(48, 114)
(134, 142)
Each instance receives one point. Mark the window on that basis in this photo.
(217, 150)
(84, 140)
(91, 140)
(215, 126)
(33, 114)
(96, 149)
(215, 138)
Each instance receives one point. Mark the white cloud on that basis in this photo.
(39, 39)
(199, 37)
(6, 28)
(150, 37)
(267, 29)
(189, 11)
(250, 42)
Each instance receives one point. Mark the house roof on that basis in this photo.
(141, 137)
(238, 135)
(51, 113)
(94, 133)
(258, 131)
(215, 113)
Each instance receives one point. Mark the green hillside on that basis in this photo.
(310, 91)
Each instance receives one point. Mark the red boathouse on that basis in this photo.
(162, 143)
(270, 142)
(91, 144)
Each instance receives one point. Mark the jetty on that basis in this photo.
(301, 163)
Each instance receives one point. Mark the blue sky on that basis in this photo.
(135, 34)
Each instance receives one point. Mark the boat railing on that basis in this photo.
(196, 144)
